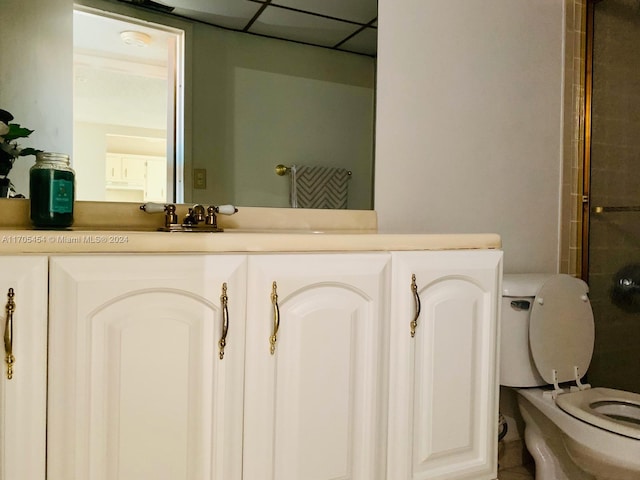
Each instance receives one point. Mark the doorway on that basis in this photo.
(127, 108)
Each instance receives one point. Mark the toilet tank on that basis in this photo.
(517, 368)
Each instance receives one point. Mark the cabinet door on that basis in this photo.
(126, 169)
(156, 180)
(134, 169)
(113, 168)
(23, 397)
(137, 388)
(443, 380)
(314, 409)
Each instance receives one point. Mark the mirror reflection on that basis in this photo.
(250, 103)
(125, 104)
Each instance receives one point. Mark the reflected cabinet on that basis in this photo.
(288, 366)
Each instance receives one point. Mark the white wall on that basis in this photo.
(36, 76)
(469, 112)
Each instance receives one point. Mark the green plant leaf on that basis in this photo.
(29, 151)
(16, 131)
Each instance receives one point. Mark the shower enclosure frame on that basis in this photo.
(586, 161)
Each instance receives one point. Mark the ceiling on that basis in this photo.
(116, 83)
(349, 25)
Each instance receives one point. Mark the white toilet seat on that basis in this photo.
(597, 451)
(561, 329)
(616, 411)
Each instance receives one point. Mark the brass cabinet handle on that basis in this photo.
(276, 318)
(8, 334)
(416, 297)
(224, 301)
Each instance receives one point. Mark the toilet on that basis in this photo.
(573, 431)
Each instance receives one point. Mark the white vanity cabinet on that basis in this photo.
(315, 385)
(320, 377)
(23, 396)
(443, 388)
(137, 388)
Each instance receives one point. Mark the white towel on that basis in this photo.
(319, 187)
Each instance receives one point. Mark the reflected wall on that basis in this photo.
(260, 102)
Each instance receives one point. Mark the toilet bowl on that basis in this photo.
(568, 448)
(616, 411)
(573, 431)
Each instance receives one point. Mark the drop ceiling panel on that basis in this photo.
(301, 27)
(364, 42)
(233, 14)
(296, 20)
(232, 8)
(362, 11)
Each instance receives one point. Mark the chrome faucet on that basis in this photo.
(197, 219)
(195, 215)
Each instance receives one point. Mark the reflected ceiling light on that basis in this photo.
(137, 39)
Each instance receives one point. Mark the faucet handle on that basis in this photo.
(152, 207)
(226, 209)
(211, 220)
(171, 218)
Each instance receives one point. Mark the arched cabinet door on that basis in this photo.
(315, 394)
(23, 368)
(137, 385)
(443, 388)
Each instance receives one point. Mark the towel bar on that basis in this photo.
(615, 209)
(284, 170)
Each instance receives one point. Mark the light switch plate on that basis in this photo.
(200, 178)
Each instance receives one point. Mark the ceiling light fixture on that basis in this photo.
(137, 39)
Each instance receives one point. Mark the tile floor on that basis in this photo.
(514, 462)
(523, 472)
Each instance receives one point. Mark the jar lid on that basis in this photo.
(52, 157)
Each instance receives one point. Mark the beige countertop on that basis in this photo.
(78, 241)
(107, 227)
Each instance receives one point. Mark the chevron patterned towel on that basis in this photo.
(319, 187)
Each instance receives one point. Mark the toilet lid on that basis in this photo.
(561, 330)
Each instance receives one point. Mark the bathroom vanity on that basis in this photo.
(250, 355)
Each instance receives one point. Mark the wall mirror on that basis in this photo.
(266, 83)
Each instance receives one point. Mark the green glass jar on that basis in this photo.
(51, 191)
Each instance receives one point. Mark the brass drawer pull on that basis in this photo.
(8, 334)
(276, 318)
(416, 297)
(224, 301)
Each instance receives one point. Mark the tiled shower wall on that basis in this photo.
(614, 240)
